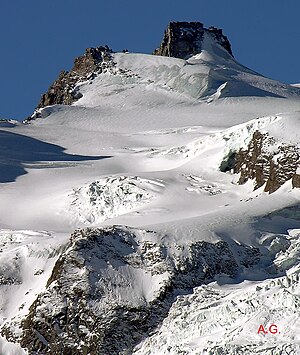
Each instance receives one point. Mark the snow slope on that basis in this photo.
(143, 148)
(225, 317)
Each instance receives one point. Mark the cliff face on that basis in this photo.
(184, 39)
(269, 162)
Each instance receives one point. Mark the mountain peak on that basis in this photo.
(184, 39)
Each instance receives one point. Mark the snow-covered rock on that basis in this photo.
(114, 285)
(225, 318)
(113, 196)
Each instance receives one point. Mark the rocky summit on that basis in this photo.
(184, 39)
(181, 40)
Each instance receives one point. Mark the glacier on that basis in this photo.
(121, 233)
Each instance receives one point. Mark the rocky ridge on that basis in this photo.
(65, 89)
(267, 161)
(181, 40)
(184, 39)
(111, 289)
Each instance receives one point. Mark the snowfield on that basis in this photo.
(143, 147)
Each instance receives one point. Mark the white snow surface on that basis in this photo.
(144, 150)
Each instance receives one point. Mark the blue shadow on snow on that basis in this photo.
(17, 150)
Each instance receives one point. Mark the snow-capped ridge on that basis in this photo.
(209, 73)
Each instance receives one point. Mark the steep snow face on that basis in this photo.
(209, 75)
(26, 262)
(202, 76)
(219, 318)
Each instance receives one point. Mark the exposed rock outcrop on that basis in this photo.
(64, 90)
(296, 180)
(110, 289)
(184, 39)
(267, 161)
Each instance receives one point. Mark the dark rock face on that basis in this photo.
(268, 161)
(93, 302)
(296, 180)
(184, 39)
(86, 67)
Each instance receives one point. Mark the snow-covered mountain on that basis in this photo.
(150, 205)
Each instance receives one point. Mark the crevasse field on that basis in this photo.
(143, 148)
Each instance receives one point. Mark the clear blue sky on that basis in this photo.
(39, 38)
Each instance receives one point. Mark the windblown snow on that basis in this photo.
(143, 148)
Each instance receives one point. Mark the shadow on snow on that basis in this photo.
(17, 151)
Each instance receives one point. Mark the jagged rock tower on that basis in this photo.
(184, 39)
